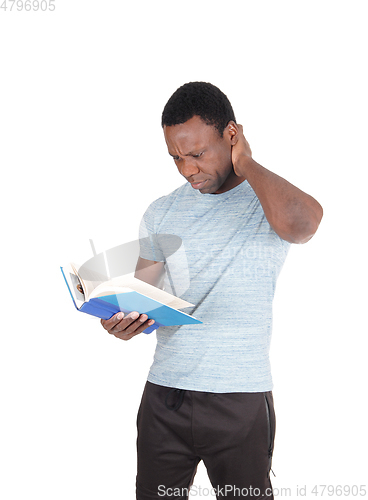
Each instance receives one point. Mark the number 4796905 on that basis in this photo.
(28, 5)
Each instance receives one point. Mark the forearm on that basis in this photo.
(149, 271)
(293, 214)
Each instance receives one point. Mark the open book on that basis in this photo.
(92, 295)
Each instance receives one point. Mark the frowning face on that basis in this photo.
(202, 156)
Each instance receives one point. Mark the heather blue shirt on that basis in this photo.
(227, 266)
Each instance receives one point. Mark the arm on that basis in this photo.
(126, 327)
(293, 214)
(149, 271)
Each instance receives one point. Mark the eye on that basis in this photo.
(197, 155)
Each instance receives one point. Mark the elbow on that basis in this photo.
(301, 230)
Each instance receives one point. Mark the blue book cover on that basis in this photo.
(130, 300)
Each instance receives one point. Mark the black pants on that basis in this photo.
(232, 433)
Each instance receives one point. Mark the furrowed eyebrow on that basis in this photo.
(191, 153)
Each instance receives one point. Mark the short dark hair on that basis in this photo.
(198, 99)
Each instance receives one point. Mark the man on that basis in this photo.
(208, 395)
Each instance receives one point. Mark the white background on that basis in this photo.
(82, 154)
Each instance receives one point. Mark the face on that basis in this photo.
(202, 156)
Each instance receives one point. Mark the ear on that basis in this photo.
(231, 131)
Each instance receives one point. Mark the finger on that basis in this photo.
(131, 323)
(114, 320)
(138, 326)
(123, 324)
(119, 321)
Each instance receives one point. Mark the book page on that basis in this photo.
(129, 281)
(75, 285)
(89, 279)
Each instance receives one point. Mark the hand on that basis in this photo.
(240, 150)
(125, 327)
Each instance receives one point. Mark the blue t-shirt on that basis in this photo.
(227, 267)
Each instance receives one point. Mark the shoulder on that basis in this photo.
(162, 204)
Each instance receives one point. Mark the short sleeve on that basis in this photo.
(148, 241)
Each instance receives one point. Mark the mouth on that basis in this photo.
(198, 185)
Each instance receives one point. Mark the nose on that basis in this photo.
(188, 167)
